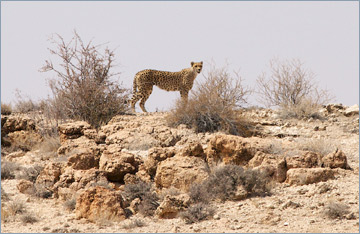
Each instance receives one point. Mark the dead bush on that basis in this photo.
(9, 170)
(29, 173)
(146, 193)
(213, 105)
(6, 109)
(84, 88)
(224, 181)
(335, 210)
(42, 192)
(25, 104)
(292, 88)
(197, 212)
(4, 195)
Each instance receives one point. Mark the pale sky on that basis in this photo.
(169, 35)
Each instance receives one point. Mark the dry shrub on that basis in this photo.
(334, 210)
(146, 193)
(213, 105)
(42, 192)
(292, 88)
(25, 104)
(70, 204)
(84, 88)
(49, 146)
(197, 212)
(29, 173)
(6, 109)
(4, 195)
(28, 218)
(224, 181)
(9, 170)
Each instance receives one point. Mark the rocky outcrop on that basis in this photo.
(272, 166)
(75, 181)
(229, 149)
(26, 187)
(12, 123)
(72, 130)
(301, 176)
(351, 110)
(117, 164)
(180, 172)
(49, 175)
(83, 159)
(155, 156)
(336, 159)
(98, 203)
(303, 159)
(172, 205)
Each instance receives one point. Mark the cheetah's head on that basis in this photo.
(197, 66)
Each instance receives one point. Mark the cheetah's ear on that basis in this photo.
(192, 63)
(201, 63)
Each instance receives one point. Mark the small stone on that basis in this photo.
(216, 217)
(286, 224)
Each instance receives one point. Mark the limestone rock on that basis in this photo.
(172, 205)
(336, 159)
(155, 156)
(80, 143)
(272, 165)
(14, 123)
(193, 149)
(229, 150)
(72, 130)
(301, 176)
(117, 164)
(352, 110)
(83, 159)
(26, 187)
(304, 159)
(180, 172)
(100, 203)
(50, 174)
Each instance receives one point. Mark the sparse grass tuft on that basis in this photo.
(16, 207)
(335, 210)
(134, 223)
(197, 212)
(70, 204)
(321, 146)
(6, 109)
(28, 218)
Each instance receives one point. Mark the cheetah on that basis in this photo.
(170, 81)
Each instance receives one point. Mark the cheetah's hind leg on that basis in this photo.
(145, 97)
(136, 97)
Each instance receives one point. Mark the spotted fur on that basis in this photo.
(170, 81)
